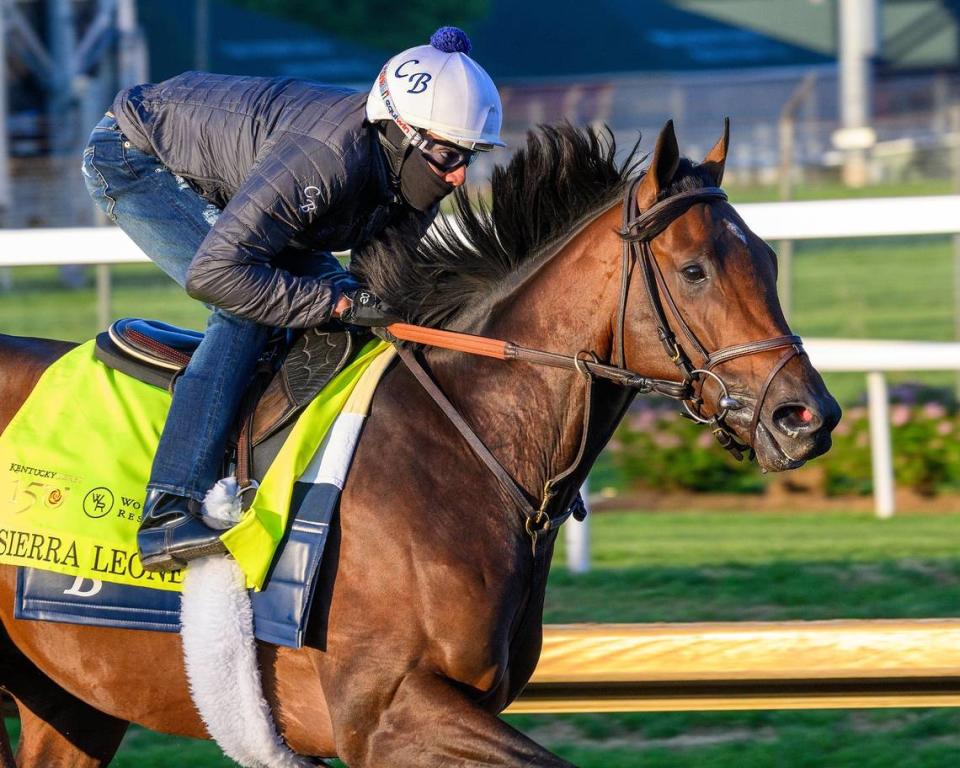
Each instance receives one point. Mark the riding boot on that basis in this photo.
(173, 533)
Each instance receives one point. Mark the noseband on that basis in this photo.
(639, 230)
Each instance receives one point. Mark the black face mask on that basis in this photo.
(420, 185)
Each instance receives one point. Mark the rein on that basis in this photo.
(639, 229)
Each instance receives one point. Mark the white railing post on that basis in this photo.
(104, 303)
(881, 449)
(577, 538)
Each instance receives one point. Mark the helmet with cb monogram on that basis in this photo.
(440, 89)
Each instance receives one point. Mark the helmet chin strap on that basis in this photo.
(395, 145)
(419, 186)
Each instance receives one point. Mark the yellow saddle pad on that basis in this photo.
(75, 460)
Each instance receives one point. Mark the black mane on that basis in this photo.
(562, 177)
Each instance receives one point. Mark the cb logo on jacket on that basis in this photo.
(311, 193)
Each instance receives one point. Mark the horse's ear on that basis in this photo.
(666, 158)
(716, 158)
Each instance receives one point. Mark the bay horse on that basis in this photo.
(429, 613)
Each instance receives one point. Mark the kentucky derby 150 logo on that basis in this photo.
(29, 494)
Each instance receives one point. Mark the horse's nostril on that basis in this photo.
(795, 418)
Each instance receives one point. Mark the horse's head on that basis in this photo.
(702, 291)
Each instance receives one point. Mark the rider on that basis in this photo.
(239, 188)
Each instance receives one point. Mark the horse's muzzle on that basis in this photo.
(795, 431)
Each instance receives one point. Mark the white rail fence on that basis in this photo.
(812, 220)
(873, 358)
(874, 217)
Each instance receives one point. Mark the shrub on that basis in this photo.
(656, 449)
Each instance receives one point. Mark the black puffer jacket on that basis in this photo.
(295, 168)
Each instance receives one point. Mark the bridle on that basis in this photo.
(639, 229)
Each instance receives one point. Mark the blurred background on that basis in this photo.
(830, 100)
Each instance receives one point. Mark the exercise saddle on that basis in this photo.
(293, 370)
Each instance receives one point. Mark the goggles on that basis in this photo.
(446, 157)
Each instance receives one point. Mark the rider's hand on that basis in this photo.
(362, 307)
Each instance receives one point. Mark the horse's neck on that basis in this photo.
(530, 416)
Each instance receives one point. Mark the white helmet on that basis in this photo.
(439, 88)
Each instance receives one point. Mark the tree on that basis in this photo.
(389, 26)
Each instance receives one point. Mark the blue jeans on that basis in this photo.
(168, 220)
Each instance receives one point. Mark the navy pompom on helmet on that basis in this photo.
(451, 40)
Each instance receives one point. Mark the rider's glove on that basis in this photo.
(367, 309)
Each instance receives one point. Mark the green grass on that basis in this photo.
(830, 190)
(698, 539)
(884, 288)
(39, 305)
(846, 739)
(145, 749)
(713, 566)
(887, 288)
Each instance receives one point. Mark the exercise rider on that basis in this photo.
(239, 188)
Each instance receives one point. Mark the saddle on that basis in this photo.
(293, 370)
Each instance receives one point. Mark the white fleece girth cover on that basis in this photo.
(216, 615)
(221, 659)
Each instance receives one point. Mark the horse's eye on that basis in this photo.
(693, 273)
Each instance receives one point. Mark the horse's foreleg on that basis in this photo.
(74, 736)
(429, 721)
(6, 752)
(56, 728)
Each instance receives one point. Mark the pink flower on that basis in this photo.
(944, 428)
(899, 415)
(666, 440)
(642, 420)
(934, 411)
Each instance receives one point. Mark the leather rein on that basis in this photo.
(639, 229)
